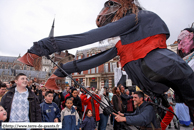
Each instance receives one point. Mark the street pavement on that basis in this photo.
(191, 127)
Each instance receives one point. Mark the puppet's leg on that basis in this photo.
(175, 73)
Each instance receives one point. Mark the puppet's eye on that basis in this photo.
(109, 3)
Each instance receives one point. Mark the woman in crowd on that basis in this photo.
(117, 105)
(103, 116)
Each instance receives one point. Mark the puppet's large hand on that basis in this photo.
(31, 60)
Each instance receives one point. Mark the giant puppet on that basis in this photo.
(142, 50)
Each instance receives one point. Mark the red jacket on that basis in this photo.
(83, 96)
(87, 102)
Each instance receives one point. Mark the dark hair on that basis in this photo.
(88, 111)
(3, 85)
(140, 94)
(114, 90)
(48, 92)
(69, 100)
(73, 89)
(20, 74)
(12, 82)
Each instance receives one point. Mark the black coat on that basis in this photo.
(34, 107)
(58, 98)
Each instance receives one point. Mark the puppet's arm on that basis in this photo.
(81, 65)
(87, 63)
(48, 46)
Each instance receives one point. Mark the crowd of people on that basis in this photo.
(29, 101)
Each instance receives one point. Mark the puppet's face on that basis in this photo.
(108, 12)
(185, 42)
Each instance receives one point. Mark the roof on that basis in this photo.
(7, 59)
(29, 73)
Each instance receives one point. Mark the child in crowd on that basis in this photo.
(89, 122)
(49, 110)
(3, 115)
(69, 116)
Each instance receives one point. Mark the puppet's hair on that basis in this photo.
(127, 6)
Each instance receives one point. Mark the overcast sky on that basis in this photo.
(24, 21)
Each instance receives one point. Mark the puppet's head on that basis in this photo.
(186, 42)
(113, 10)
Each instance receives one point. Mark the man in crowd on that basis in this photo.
(144, 115)
(66, 91)
(21, 103)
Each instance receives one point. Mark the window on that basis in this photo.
(111, 67)
(25, 67)
(96, 69)
(106, 83)
(79, 57)
(114, 65)
(106, 67)
(3, 66)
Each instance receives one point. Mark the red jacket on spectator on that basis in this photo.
(88, 102)
(83, 96)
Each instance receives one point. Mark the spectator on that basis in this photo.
(124, 97)
(130, 106)
(58, 98)
(3, 115)
(89, 122)
(144, 115)
(12, 83)
(69, 116)
(49, 110)
(117, 105)
(7, 84)
(21, 103)
(103, 117)
(3, 89)
(38, 93)
(82, 97)
(92, 104)
(43, 89)
(66, 91)
(77, 104)
(69, 93)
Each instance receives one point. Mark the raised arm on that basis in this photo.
(87, 63)
(48, 46)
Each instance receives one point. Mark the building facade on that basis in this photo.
(10, 67)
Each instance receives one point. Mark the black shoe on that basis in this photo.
(169, 127)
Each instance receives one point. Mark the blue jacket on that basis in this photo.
(49, 112)
(88, 123)
(69, 119)
(143, 116)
